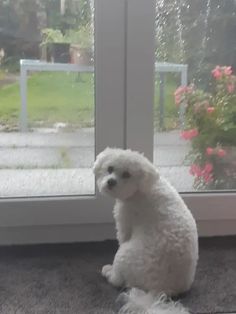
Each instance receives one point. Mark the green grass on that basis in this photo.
(52, 97)
(66, 97)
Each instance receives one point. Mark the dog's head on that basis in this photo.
(122, 173)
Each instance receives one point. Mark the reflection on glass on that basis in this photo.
(195, 123)
(46, 98)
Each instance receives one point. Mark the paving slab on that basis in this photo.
(82, 137)
(46, 157)
(46, 182)
(170, 156)
(42, 163)
(30, 157)
(179, 177)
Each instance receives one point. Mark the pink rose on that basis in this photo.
(185, 135)
(210, 109)
(193, 133)
(180, 91)
(204, 172)
(228, 70)
(195, 170)
(177, 99)
(209, 151)
(221, 152)
(208, 168)
(189, 134)
(208, 178)
(217, 73)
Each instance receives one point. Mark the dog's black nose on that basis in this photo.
(111, 183)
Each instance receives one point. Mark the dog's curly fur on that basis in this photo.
(157, 234)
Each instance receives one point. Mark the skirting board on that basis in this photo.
(93, 232)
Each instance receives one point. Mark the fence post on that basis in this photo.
(162, 101)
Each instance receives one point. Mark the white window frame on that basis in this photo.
(124, 53)
(215, 212)
(22, 213)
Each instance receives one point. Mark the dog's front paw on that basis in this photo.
(111, 276)
(106, 270)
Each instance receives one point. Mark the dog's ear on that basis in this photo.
(100, 159)
(149, 177)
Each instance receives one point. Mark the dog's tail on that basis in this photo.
(139, 302)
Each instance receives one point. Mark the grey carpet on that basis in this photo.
(65, 279)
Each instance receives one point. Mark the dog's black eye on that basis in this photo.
(110, 169)
(126, 175)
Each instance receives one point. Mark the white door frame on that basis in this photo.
(140, 61)
(124, 91)
(109, 131)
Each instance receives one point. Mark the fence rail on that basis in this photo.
(37, 65)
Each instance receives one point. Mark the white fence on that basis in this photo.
(37, 65)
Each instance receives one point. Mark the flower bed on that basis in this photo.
(210, 125)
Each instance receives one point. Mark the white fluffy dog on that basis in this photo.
(157, 234)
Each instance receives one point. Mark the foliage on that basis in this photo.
(21, 22)
(211, 128)
(81, 36)
(50, 35)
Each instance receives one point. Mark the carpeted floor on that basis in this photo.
(65, 279)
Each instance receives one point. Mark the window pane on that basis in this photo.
(195, 101)
(46, 98)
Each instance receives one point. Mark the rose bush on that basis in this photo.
(210, 125)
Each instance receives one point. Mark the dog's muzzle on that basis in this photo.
(111, 183)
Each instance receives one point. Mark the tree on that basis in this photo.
(21, 22)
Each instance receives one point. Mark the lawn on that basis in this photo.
(52, 97)
(69, 98)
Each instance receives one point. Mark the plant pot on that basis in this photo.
(60, 52)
